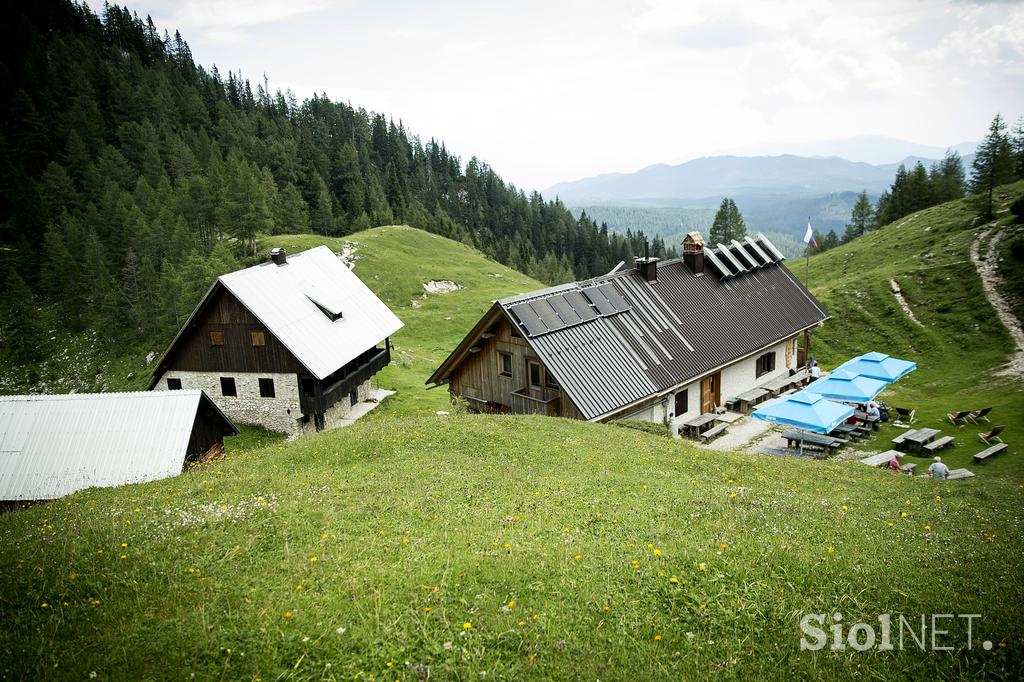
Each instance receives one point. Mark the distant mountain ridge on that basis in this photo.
(873, 149)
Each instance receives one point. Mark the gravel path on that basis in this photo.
(991, 282)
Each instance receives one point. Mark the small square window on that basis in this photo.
(216, 337)
(765, 364)
(550, 380)
(174, 384)
(227, 386)
(267, 388)
(259, 339)
(505, 366)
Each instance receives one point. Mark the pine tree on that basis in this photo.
(861, 218)
(22, 324)
(728, 223)
(830, 241)
(993, 164)
(1018, 147)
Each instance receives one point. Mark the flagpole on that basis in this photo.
(807, 255)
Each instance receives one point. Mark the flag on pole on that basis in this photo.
(809, 236)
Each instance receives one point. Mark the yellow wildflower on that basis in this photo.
(287, 615)
(674, 580)
(831, 549)
(467, 625)
(657, 638)
(512, 604)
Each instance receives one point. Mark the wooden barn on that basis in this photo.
(289, 344)
(53, 445)
(664, 340)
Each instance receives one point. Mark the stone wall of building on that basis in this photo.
(281, 413)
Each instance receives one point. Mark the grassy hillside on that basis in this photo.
(414, 546)
(463, 547)
(960, 342)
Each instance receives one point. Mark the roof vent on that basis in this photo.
(648, 267)
(279, 256)
(693, 252)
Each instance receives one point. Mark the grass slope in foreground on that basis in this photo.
(959, 344)
(514, 547)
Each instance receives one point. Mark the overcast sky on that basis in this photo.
(554, 90)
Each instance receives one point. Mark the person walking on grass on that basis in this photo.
(938, 470)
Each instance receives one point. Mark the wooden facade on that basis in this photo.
(528, 388)
(225, 317)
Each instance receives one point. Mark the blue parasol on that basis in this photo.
(808, 411)
(846, 386)
(878, 366)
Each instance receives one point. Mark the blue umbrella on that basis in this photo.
(846, 386)
(808, 411)
(879, 366)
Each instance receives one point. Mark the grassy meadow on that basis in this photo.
(419, 546)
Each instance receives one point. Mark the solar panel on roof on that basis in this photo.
(564, 310)
(723, 269)
(614, 297)
(529, 318)
(744, 257)
(599, 300)
(580, 304)
(766, 243)
(547, 314)
(723, 252)
(756, 250)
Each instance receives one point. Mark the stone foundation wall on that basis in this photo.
(280, 413)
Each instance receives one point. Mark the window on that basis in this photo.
(505, 364)
(550, 380)
(514, 331)
(267, 388)
(683, 402)
(259, 339)
(308, 387)
(216, 337)
(765, 363)
(227, 386)
(534, 372)
(174, 384)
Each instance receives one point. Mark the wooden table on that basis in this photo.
(849, 431)
(751, 398)
(865, 418)
(916, 440)
(694, 426)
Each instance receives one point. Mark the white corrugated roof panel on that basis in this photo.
(285, 298)
(53, 445)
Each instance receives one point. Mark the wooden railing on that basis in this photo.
(546, 404)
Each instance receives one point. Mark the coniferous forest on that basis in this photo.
(130, 177)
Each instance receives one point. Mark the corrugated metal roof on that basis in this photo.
(285, 298)
(53, 445)
(681, 326)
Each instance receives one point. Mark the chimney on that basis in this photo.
(693, 252)
(647, 266)
(279, 256)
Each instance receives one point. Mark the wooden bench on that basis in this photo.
(958, 474)
(937, 445)
(712, 432)
(990, 452)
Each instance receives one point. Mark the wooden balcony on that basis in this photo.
(525, 403)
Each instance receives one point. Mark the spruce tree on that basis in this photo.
(993, 164)
(861, 218)
(22, 324)
(728, 223)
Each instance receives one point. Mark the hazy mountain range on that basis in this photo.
(775, 193)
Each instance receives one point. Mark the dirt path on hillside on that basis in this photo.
(898, 293)
(991, 282)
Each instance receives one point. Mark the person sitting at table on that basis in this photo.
(815, 370)
(894, 463)
(872, 410)
(938, 469)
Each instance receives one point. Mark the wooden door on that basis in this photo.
(710, 392)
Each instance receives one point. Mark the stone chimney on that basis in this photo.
(646, 265)
(279, 256)
(693, 252)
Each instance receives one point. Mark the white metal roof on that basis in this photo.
(53, 445)
(285, 298)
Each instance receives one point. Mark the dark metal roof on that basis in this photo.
(618, 339)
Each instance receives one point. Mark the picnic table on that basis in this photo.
(693, 427)
(914, 441)
(849, 431)
(827, 443)
(751, 398)
(866, 419)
